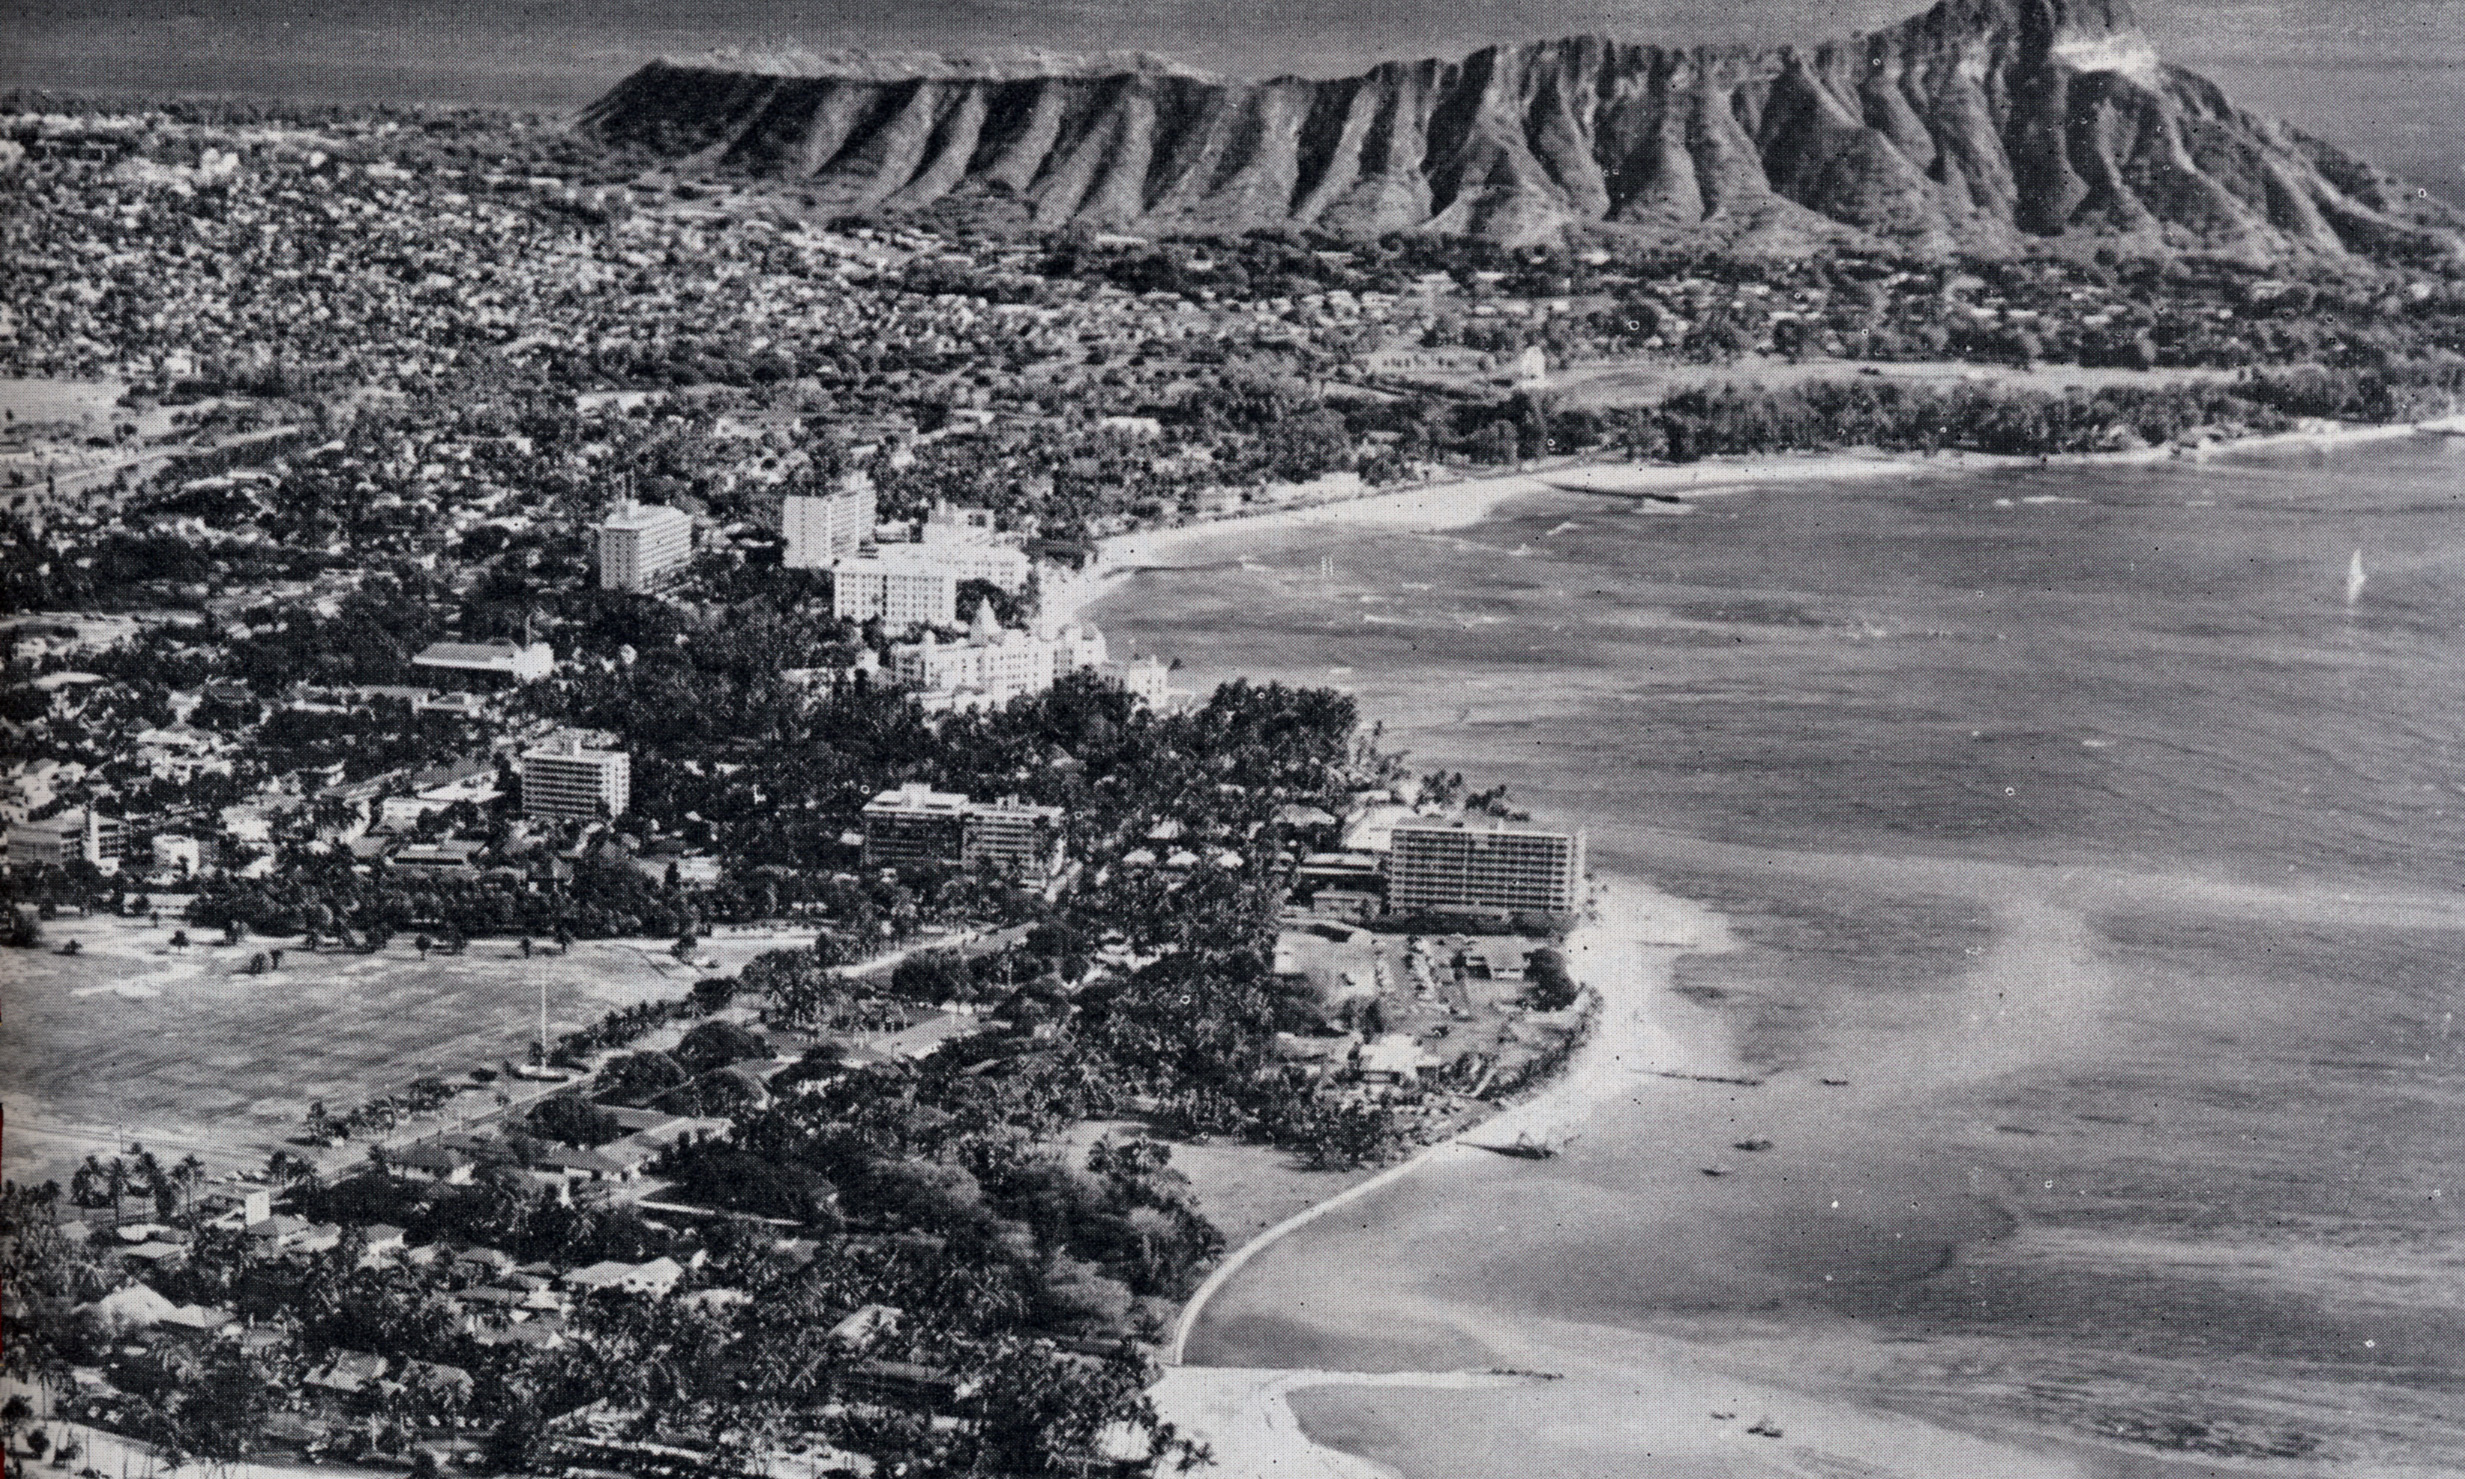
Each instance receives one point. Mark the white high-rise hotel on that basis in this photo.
(643, 545)
(830, 526)
(1483, 864)
(902, 592)
(564, 781)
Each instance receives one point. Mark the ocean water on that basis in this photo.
(2095, 831)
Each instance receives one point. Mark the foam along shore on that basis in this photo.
(1422, 507)
(1245, 1417)
(1623, 950)
(1675, 480)
(1431, 507)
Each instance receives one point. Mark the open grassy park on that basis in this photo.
(135, 1040)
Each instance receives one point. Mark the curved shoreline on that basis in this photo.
(1623, 965)
(1456, 503)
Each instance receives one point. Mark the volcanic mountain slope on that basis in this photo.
(1976, 126)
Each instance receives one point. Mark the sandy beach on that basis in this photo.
(1566, 1397)
(1459, 504)
(1623, 951)
(1280, 1392)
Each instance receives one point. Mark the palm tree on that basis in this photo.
(116, 1177)
(185, 1176)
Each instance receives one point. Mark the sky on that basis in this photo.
(2384, 77)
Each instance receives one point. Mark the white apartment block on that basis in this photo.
(829, 527)
(1148, 680)
(902, 591)
(565, 781)
(916, 824)
(643, 546)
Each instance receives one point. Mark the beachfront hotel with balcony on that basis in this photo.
(1482, 864)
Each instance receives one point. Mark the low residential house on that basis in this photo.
(348, 1374)
(1397, 1058)
(435, 1160)
(384, 1241)
(155, 1253)
(493, 1303)
(866, 1322)
(484, 1262)
(449, 858)
(438, 1379)
(278, 1233)
(584, 1163)
(540, 1332)
(650, 1280)
(904, 1384)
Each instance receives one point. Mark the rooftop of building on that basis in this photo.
(636, 516)
(569, 747)
(471, 654)
(1012, 806)
(1481, 825)
(916, 797)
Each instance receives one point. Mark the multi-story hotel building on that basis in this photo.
(565, 781)
(899, 589)
(1483, 864)
(993, 664)
(642, 546)
(829, 527)
(916, 825)
(963, 541)
(1014, 836)
(84, 836)
(1003, 565)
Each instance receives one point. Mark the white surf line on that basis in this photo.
(1621, 1031)
(1244, 1414)
(1303, 1218)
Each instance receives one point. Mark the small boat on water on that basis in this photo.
(1718, 1170)
(1756, 1142)
(1527, 1148)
